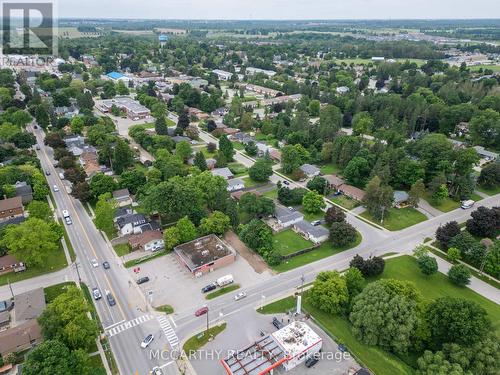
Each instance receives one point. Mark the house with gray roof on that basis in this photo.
(485, 154)
(235, 184)
(316, 234)
(127, 224)
(310, 170)
(223, 172)
(29, 305)
(400, 199)
(24, 191)
(286, 217)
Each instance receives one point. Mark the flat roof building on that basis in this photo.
(205, 254)
(132, 108)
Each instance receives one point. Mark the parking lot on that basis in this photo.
(173, 284)
(237, 336)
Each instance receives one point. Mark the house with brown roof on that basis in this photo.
(11, 208)
(20, 338)
(352, 192)
(275, 155)
(147, 241)
(9, 263)
(334, 181)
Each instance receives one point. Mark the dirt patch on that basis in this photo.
(255, 261)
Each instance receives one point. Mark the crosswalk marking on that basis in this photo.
(168, 331)
(127, 325)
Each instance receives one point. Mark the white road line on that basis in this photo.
(127, 325)
(172, 320)
(166, 364)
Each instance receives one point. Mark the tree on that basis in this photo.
(329, 292)
(211, 147)
(436, 364)
(440, 194)
(101, 184)
(187, 230)
(362, 123)
(427, 264)
(183, 150)
(384, 318)
(330, 121)
(133, 180)
(357, 170)
(291, 197)
(123, 156)
(171, 237)
(66, 319)
(417, 191)
(105, 213)
(459, 275)
(318, 184)
(355, 281)
(77, 125)
(313, 202)
(161, 127)
(485, 128)
(342, 234)
(292, 157)
(446, 232)
(453, 254)
(373, 266)
(261, 170)
(217, 223)
(200, 161)
(456, 320)
(490, 175)
(485, 222)
(251, 148)
(40, 210)
(334, 214)
(378, 198)
(226, 148)
(257, 235)
(254, 206)
(31, 241)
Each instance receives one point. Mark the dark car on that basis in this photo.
(286, 182)
(311, 361)
(209, 288)
(342, 348)
(35, 126)
(201, 311)
(277, 323)
(111, 299)
(142, 280)
(106, 265)
(47, 173)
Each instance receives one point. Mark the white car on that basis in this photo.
(239, 296)
(96, 294)
(65, 213)
(147, 340)
(56, 189)
(94, 263)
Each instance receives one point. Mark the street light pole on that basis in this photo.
(10, 287)
(78, 273)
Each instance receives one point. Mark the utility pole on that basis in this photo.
(78, 273)
(10, 287)
(302, 279)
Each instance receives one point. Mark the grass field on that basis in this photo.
(489, 191)
(313, 216)
(249, 182)
(288, 242)
(273, 194)
(446, 205)
(222, 291)
(122, 249)
(55, 261)
(237, 169)
(51, 292)
(494, 68)
(345, 202)
(397, 219)
(325, 250)
(329, 169)
(71, 250)
(196, 342)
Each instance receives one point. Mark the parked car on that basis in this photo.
(96, 294)
(56, 189)
(342, 348)
(35, 126)
(240, 296)
(110, 298)
(201, 311)
(68, 220)
(311, 361)
(467, 204)
(147, 340)
(94, 263)
(316, 223)
(106, 265)
(142, 280)
(277, 323)
(285, 182)
(209, 287)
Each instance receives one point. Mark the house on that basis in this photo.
(180, 138)
(334, 181)
(275, 155)
(352, 192)
(24, 191)
(122, 197)
(11, 208)
(128, 224)
(242, 138)
(286, 217)
(252, 71)
(485, 154)
(29, 305)
(262, 148)
(230, 131)
(122, 212)
(147, 241)
(20, 338)
(115, 76)
(89, 160)
(223, 172)
(316, 234)
(342, 90)
(235, 185)
(211, 163)
(222, 75)
(148, 227)
(221, 112)
(400, 199)
(310, 170)
(9, 263)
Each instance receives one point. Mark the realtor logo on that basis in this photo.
(28, 28)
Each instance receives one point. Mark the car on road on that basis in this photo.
(209, 287)
(110, 298)
(106, 265)
(342, 348)
(277, 323)
(47, 173)
(37, 147)
(68, 220)
(56, 189)
(239, 296)
(311, 361)
(291, 208)
(156, 371)
(96, 294)
(201, 311)
(285, 182)
(94, 263)
(65, 213)
(142, 280)
(467, 204)
(35, 126)
(147, 340)
(316, 223)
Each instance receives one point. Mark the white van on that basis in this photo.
(467, 204)
(61, 175)
(225, 280)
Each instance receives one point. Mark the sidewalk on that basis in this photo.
(427, 209)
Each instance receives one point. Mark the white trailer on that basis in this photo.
(225, 280)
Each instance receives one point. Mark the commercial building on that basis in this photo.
(204, 254)
(222, 74)
(132, 108)
(251, 71)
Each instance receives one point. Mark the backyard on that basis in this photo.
(398, 218)
(289, 242)
(329, 168)
(345, 201)
(445, 205)
(122, 249)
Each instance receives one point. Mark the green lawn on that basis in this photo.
(398, 218)
(54, 262)
(238, 146)
(222, 291)
(51, 292)
(146, 258)
(71, 250)
(237, 169)
(198, 341)
(446, 205)
(476, 197)
(313, 216)
(167, 309)
(329, 168)
(288, 242)
(122, 249)
(345, 202)
(273, 194)
(96, 363)
(208, 155)
(249, 182)
(325, 250)
(489, 191)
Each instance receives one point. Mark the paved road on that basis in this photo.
(130, 303)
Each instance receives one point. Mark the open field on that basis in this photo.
(288, 242)
(398, 218)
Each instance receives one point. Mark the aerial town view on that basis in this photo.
(229, 187)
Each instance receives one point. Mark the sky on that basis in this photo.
(279, 9)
